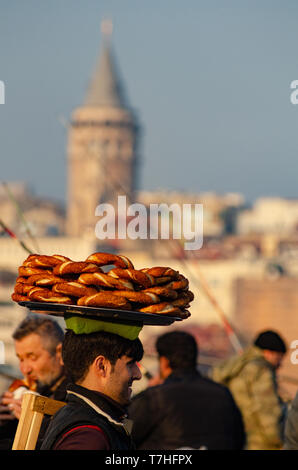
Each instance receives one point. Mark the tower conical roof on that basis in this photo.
(105, 88)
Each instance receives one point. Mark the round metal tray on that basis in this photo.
(106, 314)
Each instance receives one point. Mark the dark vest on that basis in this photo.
(77, 413)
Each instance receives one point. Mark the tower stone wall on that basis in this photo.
(102, 154)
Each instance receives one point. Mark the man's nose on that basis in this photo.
(26, 368)
(137, 373)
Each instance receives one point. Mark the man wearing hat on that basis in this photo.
(251, 377)
(101, 359)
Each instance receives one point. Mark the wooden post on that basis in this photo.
(34, 407)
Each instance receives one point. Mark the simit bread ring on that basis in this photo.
(142, 279)
(23, 280)
(46, 295)
(102, 259)
(162, 291)
(44, 279)
(101, 279)
(22, 289)
(44, 261)
(180, 283)
(185, 314)
(74, 289)
(36, 289)
(163, 307)
(162, 280)
(18, 297)
(27, 271)
(183, 299)
(190, 295)
(138, 297)
(62, 258)
(104, 299)
(159, 271)
(77, 267)
(31, 257)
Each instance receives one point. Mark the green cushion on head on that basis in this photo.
(83, 325)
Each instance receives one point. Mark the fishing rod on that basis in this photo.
(14, 236)
(21, 214)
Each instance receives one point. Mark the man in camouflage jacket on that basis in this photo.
(251, 378)
(291, 426)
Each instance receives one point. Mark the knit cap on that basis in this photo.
(270, 340)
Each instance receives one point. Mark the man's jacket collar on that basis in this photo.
(98, 401)
(182, 375)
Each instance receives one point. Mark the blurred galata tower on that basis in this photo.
(103, 143)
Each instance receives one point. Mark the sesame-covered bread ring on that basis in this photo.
(22, 289)
(137, 277)
(162, 291)
(163, 280)
(160, 271)
(102, 259)
(23, 280)
(183, 299)
(44, 261)
(180, 283)
(30, 258)
(61, 258)
(138, 297)
(184, 314)
(163, 307)
(46, 295)
(105, 299)
(75, 267)
(19, 297)
(35, 289)
(104, 280)
(44, 279)
(27, 271)
(74, 289)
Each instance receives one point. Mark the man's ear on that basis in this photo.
(59, 353)
(102, 366)
(164, 362)
(164, 365)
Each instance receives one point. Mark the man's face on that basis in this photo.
(120, 380)
(274, 357)
(35, 361)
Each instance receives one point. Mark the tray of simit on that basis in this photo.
(107, 314)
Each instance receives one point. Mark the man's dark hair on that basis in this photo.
(180, 348)
(50, 332)
(79, 351)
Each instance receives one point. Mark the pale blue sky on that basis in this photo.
(210, 81)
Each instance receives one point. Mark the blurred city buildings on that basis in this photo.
(270, 215)
(44, 216)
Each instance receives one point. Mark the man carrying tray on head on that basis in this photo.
(100, 354)
(101, 359)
